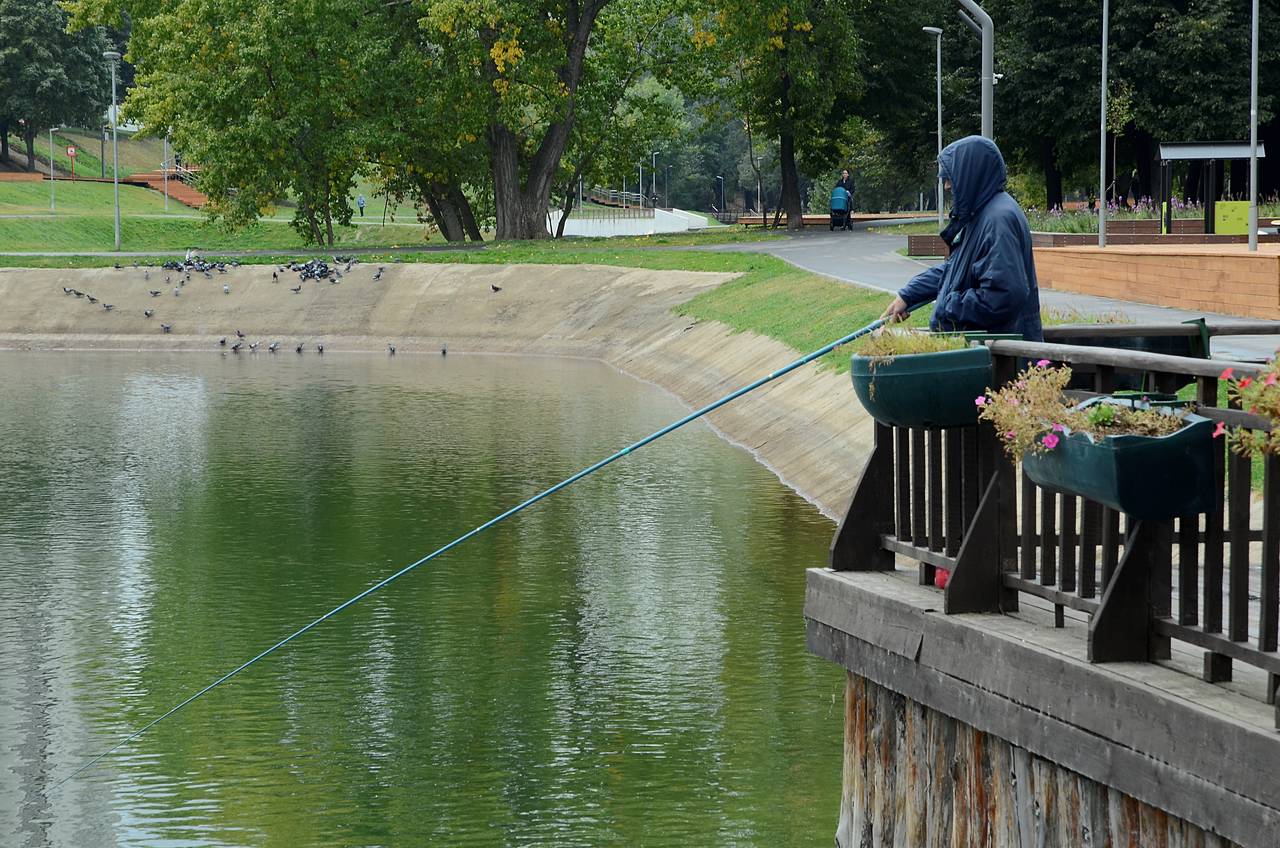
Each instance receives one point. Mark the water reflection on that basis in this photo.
(623, 663)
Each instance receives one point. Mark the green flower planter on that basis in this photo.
(1147, 477)
(923, 389)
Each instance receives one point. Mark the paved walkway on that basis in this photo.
(871, 259)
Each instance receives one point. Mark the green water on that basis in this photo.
(622, 664)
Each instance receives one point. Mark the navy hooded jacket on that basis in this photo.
(988, 282)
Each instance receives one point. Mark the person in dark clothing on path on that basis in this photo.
(988, 283)
(846, 183)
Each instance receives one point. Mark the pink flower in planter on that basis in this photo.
(1043, 363)
(1010, 435)
(980, 400)
(1244, 382)
(1050, 441)
(1014, 402)
(1271, 379)
(1058, 428)
(1220, 429)
(1226, 374)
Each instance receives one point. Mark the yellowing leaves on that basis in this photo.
(703, 39)
(505, 52)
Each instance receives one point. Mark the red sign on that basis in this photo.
(71, 151)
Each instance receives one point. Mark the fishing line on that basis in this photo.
(568, 481)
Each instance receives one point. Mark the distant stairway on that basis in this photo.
(178, 190)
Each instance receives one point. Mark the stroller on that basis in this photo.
(841, 201)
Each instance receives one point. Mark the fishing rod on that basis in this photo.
(568, 481)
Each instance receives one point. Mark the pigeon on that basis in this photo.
(108, 306)
(253, 346)
(296, 289)
(444, 350)
(176, 291)
(239, 335)
(495, 289)
(273, 347)
(235, 348)
(222, 342)
(208, 275)
(298, 349)
(391, 349)
(66, 290)
(226, 289)
(146, 275)
(77, 292)
(166, 328)
(135, 263)
(167, 279)
(91, 298)
(147, 313)
(154, 292)
(116, 266)
(319, 348)
(378, 274)
(275, 276)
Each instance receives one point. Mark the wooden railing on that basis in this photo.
(951, 499)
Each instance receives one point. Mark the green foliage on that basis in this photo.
(47, 75)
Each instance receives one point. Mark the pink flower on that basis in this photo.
(1220, 429)
(1226, 375)
(1058, 428)
(980, 400)
(1014, 402)
(1043, 363)
(1010, 435)
(1271, 379)
(1050, 441)
(1244, 382)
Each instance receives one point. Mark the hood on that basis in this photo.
(977, 173)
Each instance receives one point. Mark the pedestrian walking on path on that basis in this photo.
(360, 204)
(846, 182)
(988, 283)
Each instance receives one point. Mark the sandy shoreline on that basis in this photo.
(807, 428)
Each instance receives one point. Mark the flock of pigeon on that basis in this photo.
(314, 269)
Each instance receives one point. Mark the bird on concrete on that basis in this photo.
(177, 292)
(222, 342)
(168, 279)
(108, 306)
(208, 275)
(116, 266)
(77, 292)
(319, 348)
(444, 350)
(275, 276)
(298, 349)
(146, 275)
(67, 290)
(391, 349)
(235, 348)
(273, 347)
(226, 289)
(494, 288)
(154, 292)
(296, 289)
(147, 313)
(239, 335)
(91, 298)
(166, 328)
(253, 346)
(378, 274)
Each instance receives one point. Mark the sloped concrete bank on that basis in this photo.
(806, 427)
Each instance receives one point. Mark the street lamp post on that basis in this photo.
(164, 166)
(937, 33)
(653, 180)
(981, 22)
(1253, 133)
(1102, 130)
(53, 202)
(640, 185)
(721, 179)
(113, 57)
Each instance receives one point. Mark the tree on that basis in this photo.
(47, 76)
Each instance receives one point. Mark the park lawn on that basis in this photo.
(84, 198)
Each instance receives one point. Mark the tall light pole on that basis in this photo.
(981, 22)
(114, 58)
(937, 33)
(53, 201)
(164, 168)
(653, 180)
(1102, 130)
(640, 187)
(1253, 133)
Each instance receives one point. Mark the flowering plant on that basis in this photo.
(1261, 396)
(1030, 415)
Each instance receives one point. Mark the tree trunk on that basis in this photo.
(328, 214)
(468, 217)
(444, 211)
(1052, 174)
(790, 199)
(566, 207)
(4, 140)
(1148, 162)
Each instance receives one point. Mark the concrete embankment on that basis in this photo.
(807, 427)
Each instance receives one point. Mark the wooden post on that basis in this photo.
(1121, 629)
(856, 545)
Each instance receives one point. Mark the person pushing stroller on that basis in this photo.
(842, 202)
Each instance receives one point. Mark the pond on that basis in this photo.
(620, 664)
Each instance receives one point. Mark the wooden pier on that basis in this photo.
(1084, 678)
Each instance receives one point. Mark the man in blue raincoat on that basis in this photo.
(988, 283)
